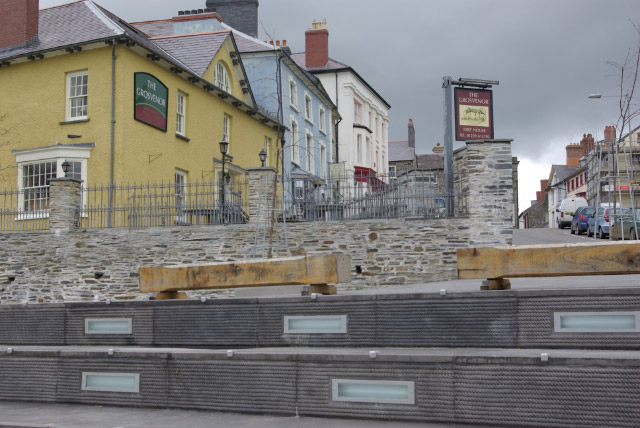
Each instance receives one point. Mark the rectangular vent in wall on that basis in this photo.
(596, 322)
(111, 382)
(373, 391)
(315, 324)
(108, 326)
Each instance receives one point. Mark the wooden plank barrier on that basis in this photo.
(497, 263)
(320, 271)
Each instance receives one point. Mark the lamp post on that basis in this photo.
(66, 166)
(224, 147)
(263, 157)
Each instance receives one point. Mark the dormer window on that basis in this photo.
(222, 77)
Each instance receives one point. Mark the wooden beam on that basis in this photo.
(549, 260)
(314, 269)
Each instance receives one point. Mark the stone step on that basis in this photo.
(506, 319)
(495, 387)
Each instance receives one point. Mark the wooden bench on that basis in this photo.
(496, 264)
(321, 272)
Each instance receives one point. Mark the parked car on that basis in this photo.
(579, 223)
(567, 209)
(626, 226)
(599, 223)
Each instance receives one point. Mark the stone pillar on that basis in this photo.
(261, 193)
(65, 200)
(489, 167)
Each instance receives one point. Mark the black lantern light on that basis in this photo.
(263, 156)
(66, 166)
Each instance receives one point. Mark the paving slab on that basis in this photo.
(39, 415)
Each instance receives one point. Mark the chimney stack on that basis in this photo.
(18, 23)
(574, 153)
(412, 134)
(609, 133)
(317, 45)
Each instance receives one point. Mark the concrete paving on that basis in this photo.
(38, 415)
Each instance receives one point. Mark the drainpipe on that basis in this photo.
(337, 123)
(113, 124)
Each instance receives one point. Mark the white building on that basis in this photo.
(360, 146)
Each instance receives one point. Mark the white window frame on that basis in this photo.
(323, 161)
(69, 116)
(359, 149)
(323, 119)
(181, 114)
(295, 148)
(226, 130)
(221, 78)
(357, 112)
(309, 153)
(308, 107)
(293, 94)
(56, 154)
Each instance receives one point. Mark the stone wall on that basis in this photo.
(81, 265)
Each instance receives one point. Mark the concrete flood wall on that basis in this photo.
(503, 319)
(67, 264)
(464, 386)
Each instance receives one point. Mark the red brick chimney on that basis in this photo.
(317, 45)
(587, 143)
(574, 153)
(609, 133)
(18, 22)
(543, 185)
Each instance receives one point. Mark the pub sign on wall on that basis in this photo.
(474, 114)
(150, 101)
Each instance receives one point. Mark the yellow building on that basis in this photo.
(120, 106)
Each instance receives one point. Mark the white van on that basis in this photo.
(566, 210)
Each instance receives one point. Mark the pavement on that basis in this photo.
(38, 415)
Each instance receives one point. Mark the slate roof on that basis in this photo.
(54, 31)
(429, 161)
(331, 66)
(400, 151)
(195, 51)
(564, 171)
(155, 28)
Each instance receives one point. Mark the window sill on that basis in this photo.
(306, 119)
(294, 108)
(69, 122)
(26, 216)
(182, 137)
(323, 132)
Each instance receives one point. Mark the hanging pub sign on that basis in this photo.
(474, 114)
(150, 101)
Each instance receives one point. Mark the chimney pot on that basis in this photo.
(180, 13)
(277, 42)
(200, 11)
(284, 43)
(194, 12)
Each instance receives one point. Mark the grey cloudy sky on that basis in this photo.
(547, 54)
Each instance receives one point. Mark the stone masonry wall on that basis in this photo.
(103, 264)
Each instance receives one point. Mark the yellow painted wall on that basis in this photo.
(33, 97)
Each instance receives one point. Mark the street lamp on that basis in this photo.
(224, 147)
(263, 157)
(66, 166)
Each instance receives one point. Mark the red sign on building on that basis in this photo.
(474, 114)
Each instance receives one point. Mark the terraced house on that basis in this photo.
(285, 90)
(81, 85)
